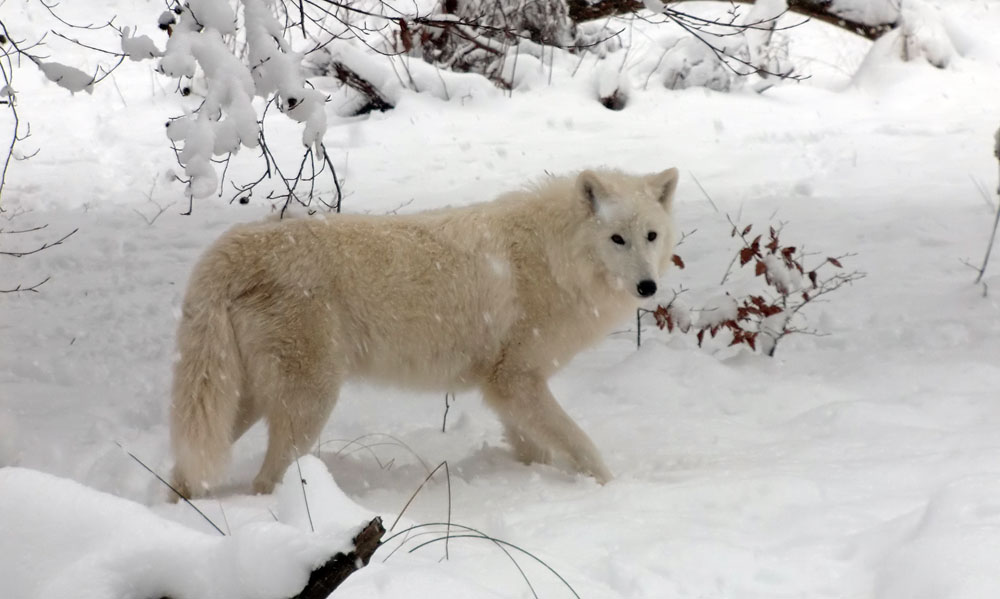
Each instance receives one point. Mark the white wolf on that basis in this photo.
(495, 296)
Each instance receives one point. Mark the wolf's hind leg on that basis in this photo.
(298, 406)
(247, 415)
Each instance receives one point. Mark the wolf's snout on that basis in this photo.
(646, 288)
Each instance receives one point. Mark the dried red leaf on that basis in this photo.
(678, 262)
(835, 262)
(761, 268)
(747, 230)
(751, 340)
(812, 277)
(772, 310)
(404, 36)
(701, 337)
(746, 254)
(661, 315)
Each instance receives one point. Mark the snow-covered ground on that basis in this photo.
(861, 464)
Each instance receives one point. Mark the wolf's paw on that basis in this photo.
(602, 478)
(262, 486)
(595, 468)
(526, 451)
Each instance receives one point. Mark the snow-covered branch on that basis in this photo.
(201, 47)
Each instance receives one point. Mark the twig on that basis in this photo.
(171, 487)
(705, 193)
(357, 441)
(19, 231)
(20, 288)
(989, 247)
(447, 406)
(447, 472)
(305, 497)
(225, 520)
(44, 246)
(478, 534)
(982, 191)
(160, 209)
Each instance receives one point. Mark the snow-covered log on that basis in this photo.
(867, 18)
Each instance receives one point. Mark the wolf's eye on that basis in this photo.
(618, 239)
(651, 236)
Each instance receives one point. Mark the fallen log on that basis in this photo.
(821, 10)
(330, 575)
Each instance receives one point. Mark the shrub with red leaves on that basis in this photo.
(760, 320)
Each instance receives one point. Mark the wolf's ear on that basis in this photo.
(665, 184)
(591, 189)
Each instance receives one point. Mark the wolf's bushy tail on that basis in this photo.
(208, 377)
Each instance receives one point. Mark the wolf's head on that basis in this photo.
(633, 226)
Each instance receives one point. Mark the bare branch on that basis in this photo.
(18, 231)
(43, 247)
(51, 8)
(31, 289)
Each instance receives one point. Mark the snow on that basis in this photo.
(213, 15)
(788, 280)
(318, 504)
(872, 12)
(862, 464)
(62, 539)
(717, 310)
(138, 47)
(65, 76)
(680, 313)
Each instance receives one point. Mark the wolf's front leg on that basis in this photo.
(536, 425)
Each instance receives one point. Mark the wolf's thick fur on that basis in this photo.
(496, 295)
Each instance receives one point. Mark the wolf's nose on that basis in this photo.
(646, 288)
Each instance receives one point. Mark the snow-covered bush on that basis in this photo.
(921, 35)
(490, 38)
(718, 51)
(693, 63)
(479, 36)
